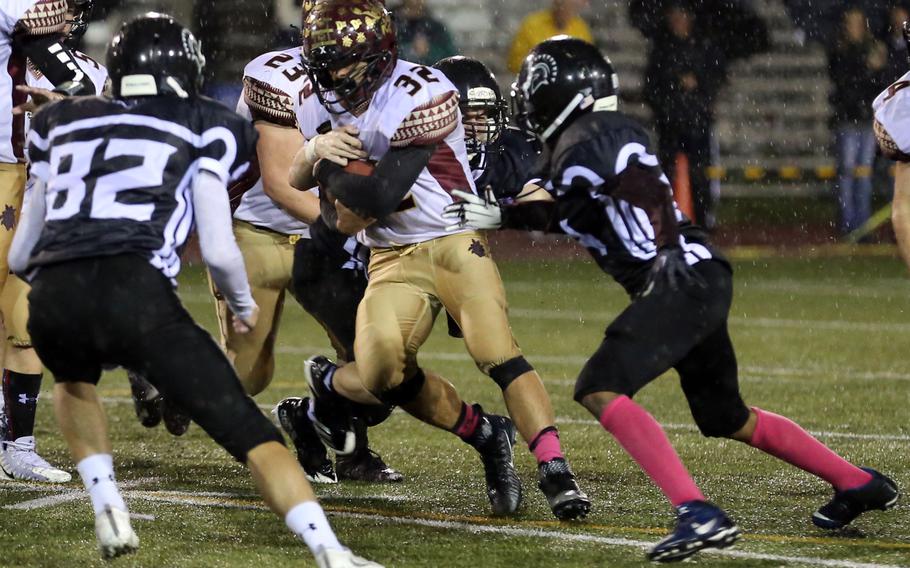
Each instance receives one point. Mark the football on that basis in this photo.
(360, 167)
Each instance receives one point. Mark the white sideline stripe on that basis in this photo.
(50, 501)
(756, 322)
(884, 288)
(816, 433)
(70, 494)
(523, 532)
(759, 371)
(671, 426)
(779, 323)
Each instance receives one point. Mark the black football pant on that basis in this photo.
(684, 329)
(328, 290)
(111, 311)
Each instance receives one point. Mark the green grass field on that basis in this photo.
(824, 341)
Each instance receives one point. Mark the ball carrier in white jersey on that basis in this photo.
(405, 117)
(288, 249)
(34, 52)
(120, 182)
(892, 130)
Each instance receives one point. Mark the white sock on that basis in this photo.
(97, 472)
(307, 520)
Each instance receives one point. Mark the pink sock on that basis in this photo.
(786, 440)
(467, 422)
(643, 439)
(545, 445)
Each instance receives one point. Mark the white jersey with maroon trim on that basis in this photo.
(892, 119)
(273, 85)
(12, 74)
(416, 105)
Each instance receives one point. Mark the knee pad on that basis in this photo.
(720, 421)
(404, 393)
(504, 373)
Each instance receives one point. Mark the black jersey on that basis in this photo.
(595, 157)
(119, 174)
(508, 170)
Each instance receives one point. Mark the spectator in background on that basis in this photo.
(894, 41)
(421, 37)
(857, 64)
(561, 18)
(683, 75)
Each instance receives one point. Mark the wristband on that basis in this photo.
(309, 150)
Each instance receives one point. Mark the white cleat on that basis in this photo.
(19, 460)
(342, 558)
(114, 533)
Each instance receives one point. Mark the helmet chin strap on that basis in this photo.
(569, 109)
(175, 86)
(581, 100)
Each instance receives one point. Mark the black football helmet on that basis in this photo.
(561, 79)
(153, 55)
(81, 14)
(340, 33)
(483, 109)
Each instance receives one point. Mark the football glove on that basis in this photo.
(671, 271)
(474, 212)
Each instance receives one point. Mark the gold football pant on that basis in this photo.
(13, 291)
(269, 257)
(408, 286)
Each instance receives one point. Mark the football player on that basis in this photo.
(287, 248)
(406, 118)
(34, 53)
(119, 184)
(502, 157)
(892, 131)
(610, 194)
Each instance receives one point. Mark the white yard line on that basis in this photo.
(68, 493)
(518, 532)
(754, 322)
(758, 371)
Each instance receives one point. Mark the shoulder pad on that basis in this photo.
(429, 123)
(268, 103)
(44, 18)
(887, 144)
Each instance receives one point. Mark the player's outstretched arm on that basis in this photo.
(219, 249)
(900, 209)
(31, 223)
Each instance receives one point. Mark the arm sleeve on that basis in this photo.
(216, 241)
(56, 62)
(31, 223)
(378, 194)
(533, 216)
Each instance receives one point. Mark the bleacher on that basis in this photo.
(772, 116)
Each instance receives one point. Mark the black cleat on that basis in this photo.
(880, 493)
(331, 415)
(146, 400)
(493, 439)
(292, 416)
(176, 420)
(366, 465)
(557, 482)
(699, 525)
